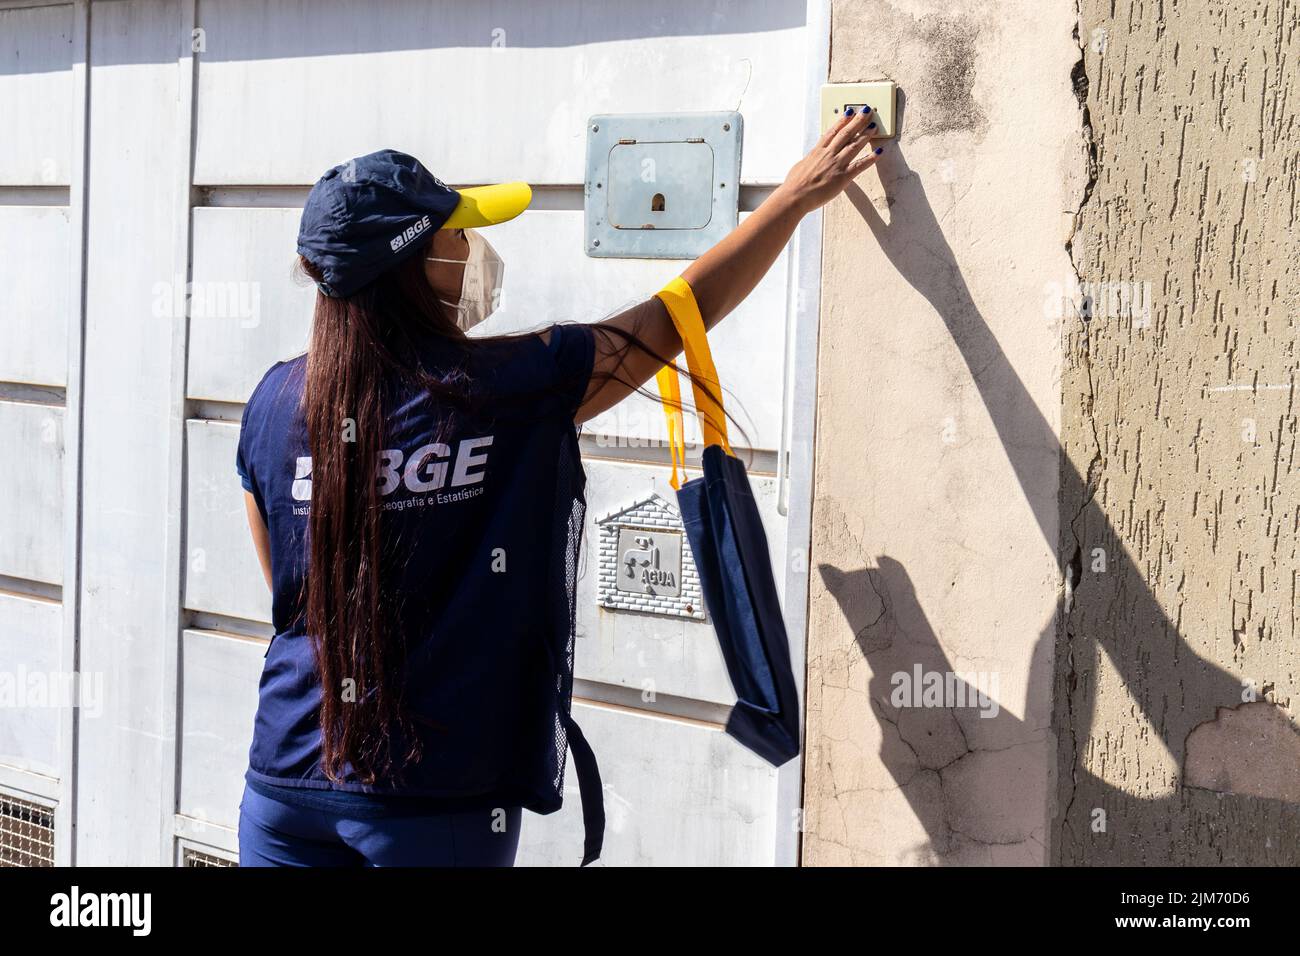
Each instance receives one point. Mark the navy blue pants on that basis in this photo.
(272, 833)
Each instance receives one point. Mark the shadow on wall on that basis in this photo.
(895, 637)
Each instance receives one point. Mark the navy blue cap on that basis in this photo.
(366, 215)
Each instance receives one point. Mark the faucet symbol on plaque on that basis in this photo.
(642, 564)
(644, 555)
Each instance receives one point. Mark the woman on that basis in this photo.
(415, 497)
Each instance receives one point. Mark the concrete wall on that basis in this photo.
(936, 518)
(1057, 366)
(1180, 436)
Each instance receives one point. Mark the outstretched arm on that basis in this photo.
(727, 273)
(261, 537)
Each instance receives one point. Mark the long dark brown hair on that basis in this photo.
(364, 349)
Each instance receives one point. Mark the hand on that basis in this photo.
(833, 163)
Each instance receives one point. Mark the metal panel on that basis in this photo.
(31, 491)
(679, 790)
(219, 675)
(247, 312)
(30, 630)
(65, 783)
(34, 276)
(36, 95)
(677, 793)
(130, 510)
(481, 92)
(222, 574)
(173, 436)
(662, 186)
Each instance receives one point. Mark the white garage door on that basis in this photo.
(206, 124)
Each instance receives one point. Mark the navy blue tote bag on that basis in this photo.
(729, 544)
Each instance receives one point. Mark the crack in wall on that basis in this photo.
(1079, 83)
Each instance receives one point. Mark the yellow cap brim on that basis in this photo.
(489, 205)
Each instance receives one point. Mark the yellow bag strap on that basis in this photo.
(678, 298)
(671, 396)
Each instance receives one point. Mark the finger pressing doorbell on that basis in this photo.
(661, 185)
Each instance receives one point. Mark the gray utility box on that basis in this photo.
(661, 185)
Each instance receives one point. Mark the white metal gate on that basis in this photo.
(154, 159)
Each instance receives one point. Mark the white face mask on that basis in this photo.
(484, 272)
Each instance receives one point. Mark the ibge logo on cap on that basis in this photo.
(409, 233)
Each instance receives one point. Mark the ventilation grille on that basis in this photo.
(26, 833)
(191, 857)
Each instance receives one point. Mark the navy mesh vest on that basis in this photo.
(485, 511)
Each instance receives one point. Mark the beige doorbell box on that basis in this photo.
(880, 95)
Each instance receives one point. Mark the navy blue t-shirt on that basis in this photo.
(483, 512)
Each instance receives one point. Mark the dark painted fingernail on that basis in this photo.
(849, 111)
(879, 150)
(871, 126)
(867, 110)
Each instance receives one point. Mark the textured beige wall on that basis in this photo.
(936, 511)
(1180, 432)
